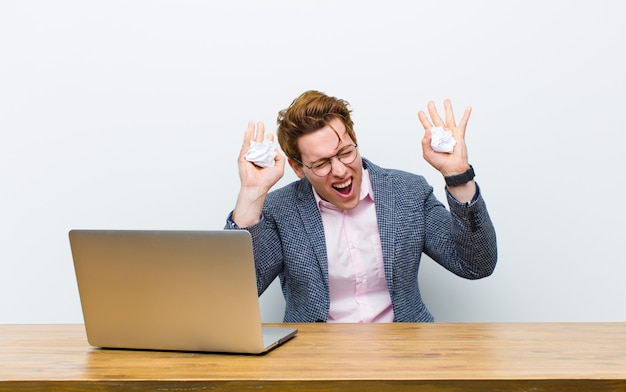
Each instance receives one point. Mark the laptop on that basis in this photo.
(171, 290)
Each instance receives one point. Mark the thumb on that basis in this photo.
(426, 139)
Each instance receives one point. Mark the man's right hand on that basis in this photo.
(255, 181)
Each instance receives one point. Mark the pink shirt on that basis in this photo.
(358, 289)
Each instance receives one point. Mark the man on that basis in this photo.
(346, 238)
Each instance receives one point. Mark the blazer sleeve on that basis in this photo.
(267, 259)
(462, 240)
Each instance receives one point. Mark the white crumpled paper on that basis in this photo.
(441, 140)
(261, 154)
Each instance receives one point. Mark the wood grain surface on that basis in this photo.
(325, 357)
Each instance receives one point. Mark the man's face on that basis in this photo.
(342, 185)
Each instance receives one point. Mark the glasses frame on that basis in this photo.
(330, 160)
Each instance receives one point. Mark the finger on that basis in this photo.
(270, 138)
(426, 147)
(247, 137)
(432, 110)
(260, 132)
(424, 120)
(426, 140)
(450, 123)
(279, 160)
(464, 120)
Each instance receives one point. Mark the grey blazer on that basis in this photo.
(289, 242)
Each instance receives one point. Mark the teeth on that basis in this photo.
(344, 185)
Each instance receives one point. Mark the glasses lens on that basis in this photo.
(347, 155)
(321, 169)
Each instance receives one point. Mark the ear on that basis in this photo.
(296, 168)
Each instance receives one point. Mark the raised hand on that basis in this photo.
(456, 162)
(251, 175)
(448, 164)
(255, 181)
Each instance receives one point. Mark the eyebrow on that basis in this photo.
(327, 159)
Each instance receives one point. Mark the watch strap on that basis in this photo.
(462, 178)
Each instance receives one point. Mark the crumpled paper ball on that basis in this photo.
(441, 140)
(261, 154)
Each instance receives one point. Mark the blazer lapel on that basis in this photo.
(312, 221)
(384, 199)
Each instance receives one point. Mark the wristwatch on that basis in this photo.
(462, 178)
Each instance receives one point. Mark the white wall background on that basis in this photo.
(130, 115)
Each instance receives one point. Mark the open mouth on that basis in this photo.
(345, 187)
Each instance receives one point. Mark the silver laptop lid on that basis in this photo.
(168, 290)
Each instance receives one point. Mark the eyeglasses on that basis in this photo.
(323, 166)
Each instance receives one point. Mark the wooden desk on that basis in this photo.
(323, 357)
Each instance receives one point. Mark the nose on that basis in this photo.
(337, 167)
